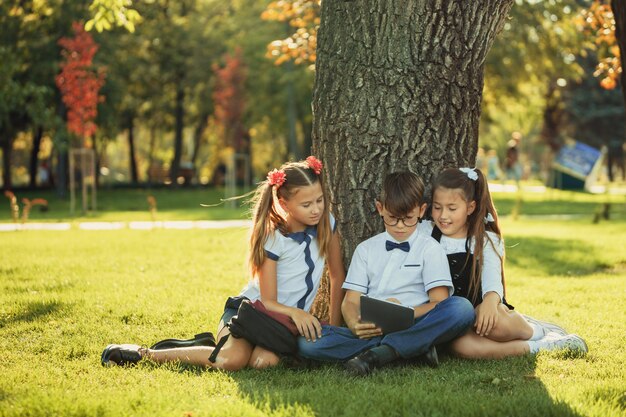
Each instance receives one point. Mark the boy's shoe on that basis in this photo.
(120, 355)
(363, 364)
(431, 358)
(547, 326)
(202, 339)
(571, 342)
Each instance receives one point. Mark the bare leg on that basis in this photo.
(473, 346)
(263, 358)
(233, 356)
(511, 326)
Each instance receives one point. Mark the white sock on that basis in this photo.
(534, 346)
(538, 332)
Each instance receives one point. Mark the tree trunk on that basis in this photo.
(134, 174)
(398, 86)
(618, 7)
(7, 148)
(197, 137)
(179, 114)
(34, 158)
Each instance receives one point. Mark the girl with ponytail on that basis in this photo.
(293, 237)
(465, 222)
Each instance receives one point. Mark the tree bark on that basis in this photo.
(7, 149)
(618, 7)
(179, 114)
(34, 158)
(134, 174)
(398, 86)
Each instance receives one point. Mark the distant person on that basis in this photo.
(493, 165)
(44, 174)
(292, 239)
(615, 159)
(512, 165)
(399, 265)
(466, 223)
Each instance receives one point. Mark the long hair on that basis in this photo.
(477, 191)
(266, 219)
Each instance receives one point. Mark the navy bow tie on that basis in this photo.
(404, 246)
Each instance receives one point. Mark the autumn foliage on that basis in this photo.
(79, 82)
(303, 16)
(228, 96)
(599, 23)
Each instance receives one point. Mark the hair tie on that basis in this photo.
(315, 164)
(489, 218)
(276, 177)
(470, 172)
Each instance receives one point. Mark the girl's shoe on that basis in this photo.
(120, 355)
(547, 326)
(202, 339)
(570, 342)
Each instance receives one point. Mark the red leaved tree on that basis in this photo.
(229, 100)
(79, 82)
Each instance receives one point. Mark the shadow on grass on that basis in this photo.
(542, 256)
(33, 311)
(457, 388)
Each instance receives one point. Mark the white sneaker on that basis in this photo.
(571, 342)
(546, 325)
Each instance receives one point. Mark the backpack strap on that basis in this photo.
(217, 349)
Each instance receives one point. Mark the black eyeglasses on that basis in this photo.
(393, 221)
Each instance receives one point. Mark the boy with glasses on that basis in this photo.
(402, 266)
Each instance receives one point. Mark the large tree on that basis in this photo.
(398, 86)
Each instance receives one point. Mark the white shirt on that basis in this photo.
(406, 276)
(491, 277)
(299, 268)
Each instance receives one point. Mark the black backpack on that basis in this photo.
(262, 330)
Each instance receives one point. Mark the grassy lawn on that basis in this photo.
(120, 204)
(130, 204)
(65, 295)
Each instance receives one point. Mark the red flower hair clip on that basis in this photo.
(315, 164)
(276, 177)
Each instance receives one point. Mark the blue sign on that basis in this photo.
(577, 159)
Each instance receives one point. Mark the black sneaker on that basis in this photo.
(363, 364)
(431, 358)
(120, 355)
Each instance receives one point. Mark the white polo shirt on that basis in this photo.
(299, 268)
(493, 251)
(406, 276)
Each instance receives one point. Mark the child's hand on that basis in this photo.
(394, 300)
(486, 318)
(365, 330)
(307, 324)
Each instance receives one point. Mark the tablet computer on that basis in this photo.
(389, 316)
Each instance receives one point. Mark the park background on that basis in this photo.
(178, 89)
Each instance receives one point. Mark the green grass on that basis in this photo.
(120, 204)
(65, 295)
(130, 204)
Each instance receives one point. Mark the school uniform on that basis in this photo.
(460, 252)
(299, 268)
(384, 268)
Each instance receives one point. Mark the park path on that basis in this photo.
(136, 225)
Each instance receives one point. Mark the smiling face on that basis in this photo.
(305, 207)
(400, 231)
(450, 211)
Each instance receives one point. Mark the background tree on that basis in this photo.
(80, 83)
(398, 86)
